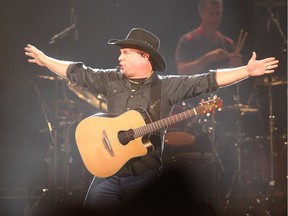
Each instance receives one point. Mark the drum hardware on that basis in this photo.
(45, 112)
(46, 77)
(242, 108)
(53, 147)
(271, 135)
(216, 161)
(263, 155)
(179, 138)
(273, 81)
(181, 134)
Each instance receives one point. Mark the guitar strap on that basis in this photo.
(155, 98)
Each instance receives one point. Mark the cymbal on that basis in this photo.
(50, 77)
(242, 108)
(84, 94)
(46, 77)
(274, 81)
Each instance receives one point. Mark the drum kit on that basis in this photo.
(69, 105)
(250, 158)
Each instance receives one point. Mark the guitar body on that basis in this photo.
(101, 150)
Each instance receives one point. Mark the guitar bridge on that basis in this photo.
(107, 144)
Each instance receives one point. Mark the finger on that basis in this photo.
(29, 54)
(271, 65)
(32, 60)
(269, 71)
(270, 59)
(27, 48)
(253, 57)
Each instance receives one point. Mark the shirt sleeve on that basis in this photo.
(96, 80)
(179, 88)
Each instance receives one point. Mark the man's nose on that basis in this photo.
(120, 58)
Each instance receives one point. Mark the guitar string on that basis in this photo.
(159, 124)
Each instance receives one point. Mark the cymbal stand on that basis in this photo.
(215, 155)
(238, 144)
(215, 159)
(49, 125)
(271, 130)
(275, 21)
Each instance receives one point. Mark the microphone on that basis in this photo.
(71, 16)
(118, 69)
(76, 33)
(268, 24)
(66, 31)
(73, 22)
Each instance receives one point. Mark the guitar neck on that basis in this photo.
(154, 126)
(203, 108)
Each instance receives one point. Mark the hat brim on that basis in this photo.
(159, 61)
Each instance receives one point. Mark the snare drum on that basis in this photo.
(179, 138)
(180, 134)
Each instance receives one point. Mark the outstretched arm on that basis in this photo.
(38, 57)
(225, 77)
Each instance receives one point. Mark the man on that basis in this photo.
(136, 84)
(202, 49)
(205, 47)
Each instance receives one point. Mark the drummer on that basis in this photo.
(204, 48)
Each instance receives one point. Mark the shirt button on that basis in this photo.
(131, 96)
(128, 108)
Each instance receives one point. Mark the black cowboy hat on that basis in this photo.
(146, 41)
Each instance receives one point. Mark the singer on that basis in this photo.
(138, 187)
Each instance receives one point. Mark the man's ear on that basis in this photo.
(146, 55)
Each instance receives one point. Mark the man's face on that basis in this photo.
(211, 15)
(132, 62)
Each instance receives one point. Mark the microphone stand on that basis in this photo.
(275, 21)
(62, 34)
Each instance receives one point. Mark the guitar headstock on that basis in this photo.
(209, 106)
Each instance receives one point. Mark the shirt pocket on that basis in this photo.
(115, 91)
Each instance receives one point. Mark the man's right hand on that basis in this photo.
(37, 56)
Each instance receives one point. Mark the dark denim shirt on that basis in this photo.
(120, 98)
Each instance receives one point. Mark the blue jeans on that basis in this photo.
(117, 192)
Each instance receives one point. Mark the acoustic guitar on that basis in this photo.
(107, 143)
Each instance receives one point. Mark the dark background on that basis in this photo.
(25, 141)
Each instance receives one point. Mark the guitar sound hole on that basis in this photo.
(125, 136)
